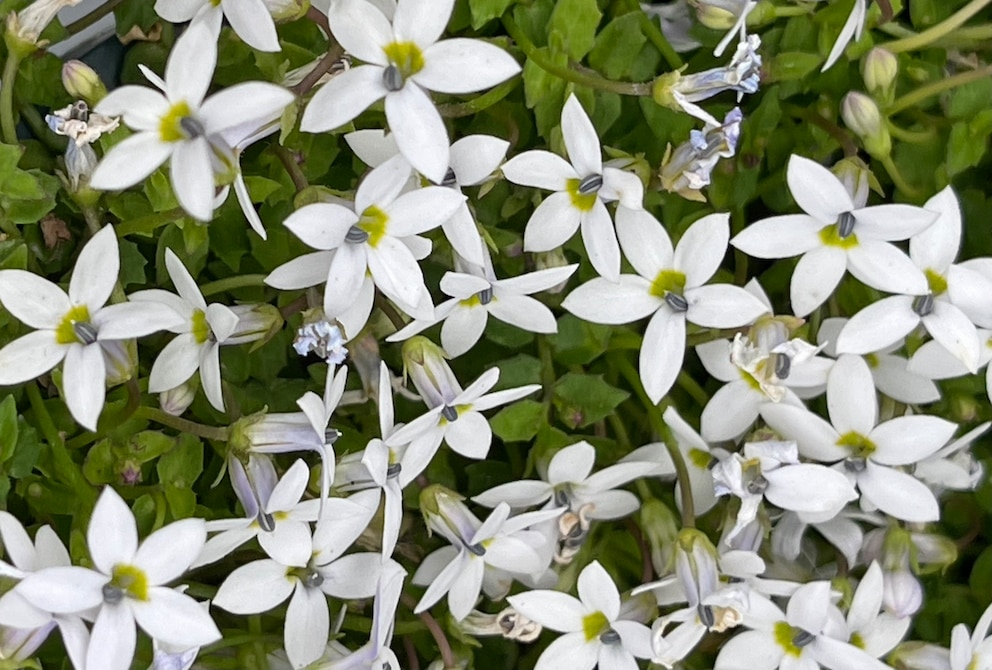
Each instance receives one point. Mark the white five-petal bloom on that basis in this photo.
(74, 326)
(197, 346)
(833, 236)
(582, 189)
(474, 159)
(404, 59)
(771, 470)
(373, 238)
(958, 296)
(668, 287)
(569, 482)
(477, 294)
(250, 19)
(127, 585)
(811, 633)
(500, 544)
(309, 569)
(594, 632)
(178, 122)
(871, 629)
(870, 451)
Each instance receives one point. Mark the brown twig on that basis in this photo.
(443, 646)
(329, 60)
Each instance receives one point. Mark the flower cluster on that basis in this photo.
(836, 393)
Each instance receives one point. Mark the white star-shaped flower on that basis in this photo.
(583, 187)
(250, 19)
(834, 236)
(177, 122)
(127, 585)
(668, 287)
(197, 346)
(868, 449)
(73, 326)
(404, 59)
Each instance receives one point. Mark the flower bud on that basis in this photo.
(879, 69)
(82, 82)
(552, 259)
(857, 178)
(177, 400)
(121, 360)
(287, 10)
(862, 116)
(424, 362)
(660, 529)
(19, 644)
(695, 565)
(257, 322)
(713, 15)
(445, 513)
(24, 28)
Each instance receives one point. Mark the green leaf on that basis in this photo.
(99, 466)
(133, 264)
(968, 142)
(13, 255)
(518, 422)
(970, 99)
(159, 192)
(578, 342)
(582, 400)
(8, 428)
(790, 66)
(486, 10)
(577, 21)
(26, 452)
(617, 46)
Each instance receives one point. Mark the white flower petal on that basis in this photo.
(421, 21)
(815, 278)
(552, 609)
(603, 301)
(141, 107)
(598, 592)
(461, 65)
(251, 20)
(601, 241)
(571, 464)
(883, 266)
(731, 411)
(96, 270)
(255, 587)
(700, 252)
(130, 161)
(936, 247)
(816, 438)
(361, 29)
(124, 320)
(898, 494)
(84, 377)
(908, 439)
(463, 328)
(851, 399)
(540, 169)
(308, 623)
(469, 435)
(722, 306)
(662, 353)
(301, 272)
(955, 332)
(30, 356)
(779, 236)
(419, 131)
(191, 65)
(193, 177)
(168, 552)
(569, 652)
(174, 618)
(878, 326)
(344, 97)
(816, 190)
(790, 486)
(63, 590)
(891, 222)
(644, 241)
(245, 103)
(422, 210)
(581, 139)
(112, 639)
(623, 186)
(475, 157)
(34, 300)
(345, 276)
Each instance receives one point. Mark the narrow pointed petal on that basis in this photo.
(112, 535)
(598, 592)
(84, 383)
(308, 623)
(701, 250)
(540, 169)
(395, 270)
(644, 241)
(850, 28)
(836, 654)
(30, 356)
(552, 609)
(255, 587)
(878, 326)
(570, 651)
(815, 278)
(816, 190)
(722, 306)
(421, 21)
(779, 236)
(461, 65)
(936, 247)
(228, 109)
(251, 20)
(552, 223)
(470, 435)
(623, 187)
(816, 438)
(63, 590)
(141, 107)
(581, 139)
(662, 353)
(475, 157)
(96, 271)
(34, 300)
(193, 178)
(168, 552)
(301, 272)
(130, 161)
(122, 321)
(419, 131)
(955, 332)
(176, 619)
(790, 486)
(883, 266)
(908, 439)
(422, 210)
(518, 494)
(851, 399)
(462, 329)
(602, 301)
(524, 312)
(892, 222)
(112, 639)
(361, 29)
(190, 67)
(571, 464)
(503, 397)
(346, 275)
(175, 364)
(751, 650)
(344, 97)
(731, 411)
(600, 241)
(465, 588)
(898, 494)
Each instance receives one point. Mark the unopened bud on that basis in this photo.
(857, 178)
(713, 15)
(177, 400)
(121, 360)
(660, 529)
(82, 82)
(862, 116)
(257, 322)
(552, 259)
(879, 69)
(287, 10)
(424, 362)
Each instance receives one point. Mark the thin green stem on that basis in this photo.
(584, 77)
(783, 12)
(255, 628)
(161, 507)
(217, 433)
(842, 137)
(92, 220)
(945, 27)
(912, 136)
(469, 107)
(30, 116)
(85, 22)
(146, 225)
(655, 36)
(44, 419)
(7, 123)
(897, 178)
(548, 376)
(443, 646)
(657, 421)
(232, 283)
(692, 387)
(386, 308)
(288, 161)
(937, 87)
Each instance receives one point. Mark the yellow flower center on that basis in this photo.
(406, 57)
(373, 222)
(200, 329)
(594, 625)
(830, 236)
(668, 281)
(935, 281)
(701, 459)
(784, 634)
(582, 201)
(65, 332)
(860, 446)
(131, 580)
